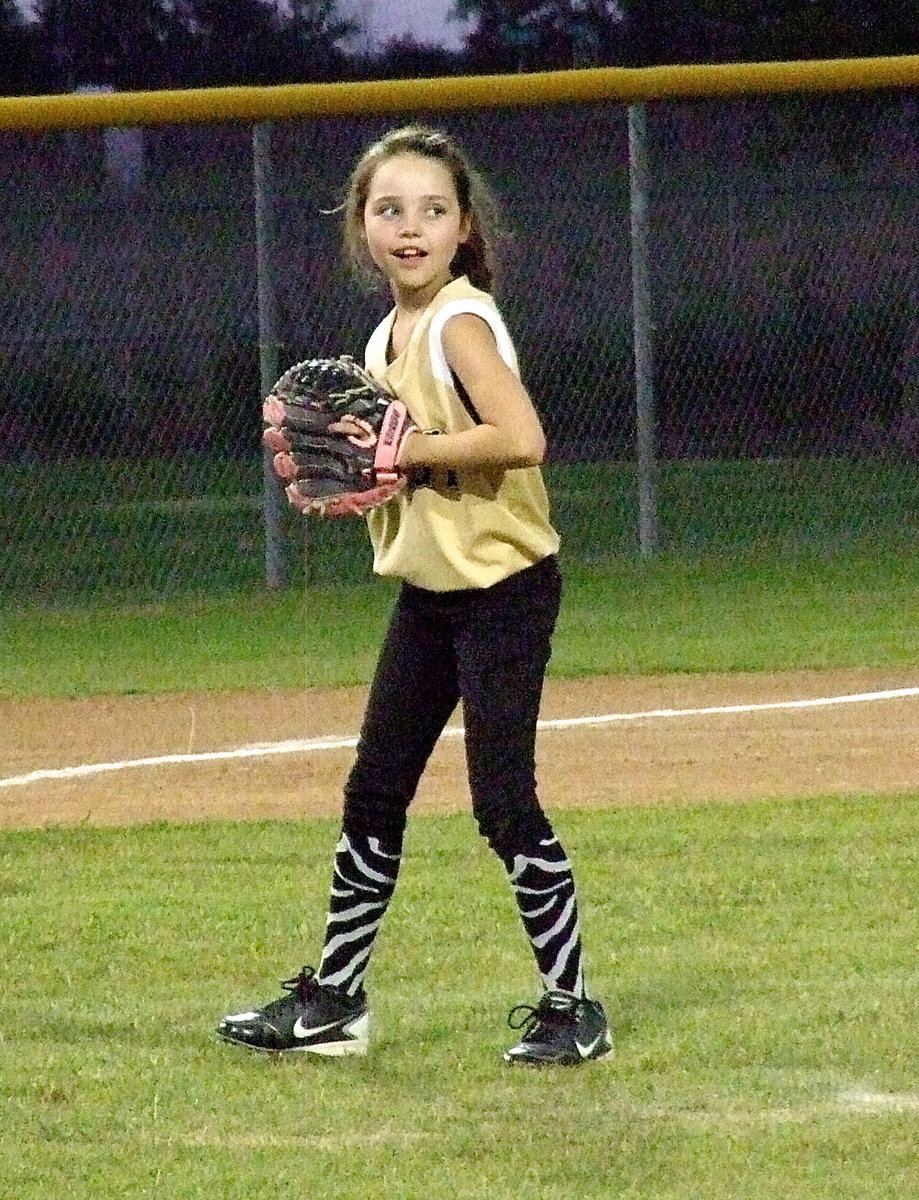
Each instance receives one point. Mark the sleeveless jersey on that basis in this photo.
(453, 529)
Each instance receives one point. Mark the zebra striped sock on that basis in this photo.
(544, 889)
(363, 881)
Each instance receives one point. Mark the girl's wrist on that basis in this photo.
(406, 455)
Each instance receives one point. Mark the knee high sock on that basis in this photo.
(543, 886)
(363, 881)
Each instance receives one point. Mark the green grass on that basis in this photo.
(225, 642)
(758, 963)
(740, 612)
(113, 532)
(720, 613)
(117, 582)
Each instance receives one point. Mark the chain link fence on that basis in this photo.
(779, 338)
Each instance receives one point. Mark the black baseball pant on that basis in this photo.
(487, 648)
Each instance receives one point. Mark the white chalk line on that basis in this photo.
(863, 1100)
(314, 745)
(718, 1116)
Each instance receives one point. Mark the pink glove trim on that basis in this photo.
(275, 440)
(396, 427)
(351, 504)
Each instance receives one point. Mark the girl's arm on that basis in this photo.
(510, 434)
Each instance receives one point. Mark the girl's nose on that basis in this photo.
(410, 226)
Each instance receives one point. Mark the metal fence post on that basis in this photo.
(643, 331)
(268, 341)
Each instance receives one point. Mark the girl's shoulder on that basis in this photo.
(458, 297)
(461, 289)
(461, 301)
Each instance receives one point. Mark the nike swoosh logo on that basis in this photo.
(301, 1031)
(586, 1051)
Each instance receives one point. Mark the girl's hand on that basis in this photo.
(355, 430)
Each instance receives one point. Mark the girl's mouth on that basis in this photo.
(409, 252)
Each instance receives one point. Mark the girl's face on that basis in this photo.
(413, 223)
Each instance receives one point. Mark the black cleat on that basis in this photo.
(563, 1030)
(313, 1018)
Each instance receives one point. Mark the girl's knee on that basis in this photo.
(512, 829)
(374, 813)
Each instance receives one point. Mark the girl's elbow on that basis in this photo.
(531, 453)
(538, 449)
(513, 448)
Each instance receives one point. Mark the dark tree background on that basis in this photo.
(186, 43)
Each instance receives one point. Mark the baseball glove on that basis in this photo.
(336, 435)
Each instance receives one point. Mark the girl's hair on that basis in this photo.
(475, 257)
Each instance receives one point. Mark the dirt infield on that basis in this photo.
(867, 746)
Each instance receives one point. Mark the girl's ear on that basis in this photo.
(465, 228)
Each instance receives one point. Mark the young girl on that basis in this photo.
(471, 540)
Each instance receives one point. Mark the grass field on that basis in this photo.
(740, 612)
(113, 532)
(759, 962)
(153, 583)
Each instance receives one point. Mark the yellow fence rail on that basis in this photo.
(627, 85)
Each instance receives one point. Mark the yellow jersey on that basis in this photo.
(453, 529)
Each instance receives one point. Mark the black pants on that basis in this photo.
(488, 648)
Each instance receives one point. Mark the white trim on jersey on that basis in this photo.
(379, 335)
(477, 308)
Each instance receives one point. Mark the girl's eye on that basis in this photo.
(394, 210)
